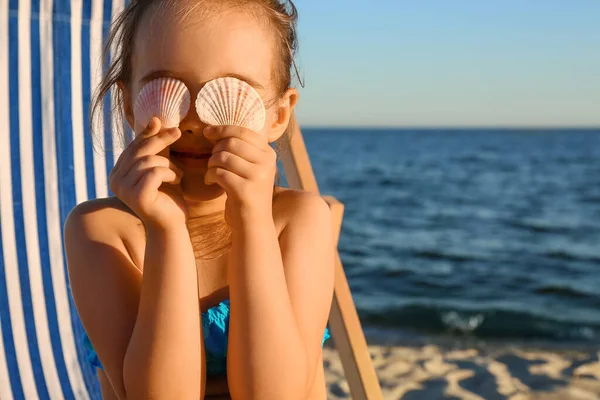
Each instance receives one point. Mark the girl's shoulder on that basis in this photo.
(286, 196)
(106, 214)
(106, 220)
(292, 204)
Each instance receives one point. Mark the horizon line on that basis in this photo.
(452, 127)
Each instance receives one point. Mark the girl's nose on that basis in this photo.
(192, 124)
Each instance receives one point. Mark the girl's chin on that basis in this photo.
(194, 188)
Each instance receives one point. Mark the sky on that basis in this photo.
(390, 63)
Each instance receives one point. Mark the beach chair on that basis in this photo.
(49, 65)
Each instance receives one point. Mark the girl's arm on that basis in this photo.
(281, 290)
(145, 329)
(163, 358)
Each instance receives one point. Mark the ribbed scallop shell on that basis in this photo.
(165, 98)
(230, 101)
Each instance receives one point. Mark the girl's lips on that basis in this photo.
(190, 159)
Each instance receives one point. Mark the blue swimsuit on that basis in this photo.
(215, 329)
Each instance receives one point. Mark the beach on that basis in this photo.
(489, 372)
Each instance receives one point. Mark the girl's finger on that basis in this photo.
(136, 174)
(152, 129)
(144, 164)
(149, 146)
(150, 161)
(231, 162)
(151, 179)
(222, 177)
(217, 133)
(241, 148)
(157, 143)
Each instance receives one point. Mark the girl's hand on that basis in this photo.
(145, 181)
(243, 164)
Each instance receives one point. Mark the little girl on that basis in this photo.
(201, 276)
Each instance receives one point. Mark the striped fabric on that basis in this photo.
(49, 66)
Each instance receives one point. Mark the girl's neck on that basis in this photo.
(201, 208)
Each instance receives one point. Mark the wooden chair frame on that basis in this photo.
(344, 323)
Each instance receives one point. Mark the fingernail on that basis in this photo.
(208, 129)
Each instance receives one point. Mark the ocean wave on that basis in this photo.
(391, 181)
(570, 256)
(540, 226)
(445, 284)
(488, 324)
(590, 199)
(570, 293)
(441, 255)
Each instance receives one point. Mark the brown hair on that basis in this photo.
(282, 16)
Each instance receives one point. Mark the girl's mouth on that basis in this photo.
(191, 160)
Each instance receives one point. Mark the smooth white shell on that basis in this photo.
(165, 98)
(230, 101)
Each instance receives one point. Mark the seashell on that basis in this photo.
(230, 101)
(165, 98)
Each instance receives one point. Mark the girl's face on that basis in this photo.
(230, 42)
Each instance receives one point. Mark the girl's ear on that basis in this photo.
(127, 104)
(283, 114)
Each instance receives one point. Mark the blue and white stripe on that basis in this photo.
(49, 66)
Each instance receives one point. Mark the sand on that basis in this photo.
(503, 372)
